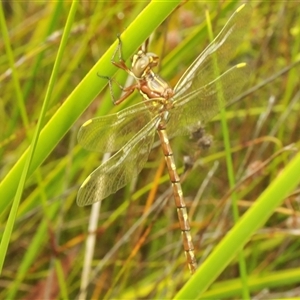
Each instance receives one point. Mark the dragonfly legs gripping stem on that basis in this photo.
(119, 50)
(121, 65)
(127, 90)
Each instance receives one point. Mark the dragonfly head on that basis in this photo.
(143, 62)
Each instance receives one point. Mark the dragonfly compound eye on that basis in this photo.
(140, 65)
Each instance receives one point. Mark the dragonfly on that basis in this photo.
(209, 84)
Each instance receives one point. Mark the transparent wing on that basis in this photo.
(110, 133)
(199, 106)
(116, 172)
(211, 81)
(221, 51)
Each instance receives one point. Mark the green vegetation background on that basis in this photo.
(50, 55)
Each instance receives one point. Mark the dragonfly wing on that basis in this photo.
(117, 171)
(211, 81)
(199, 106)
(220, 51)
(109, 133)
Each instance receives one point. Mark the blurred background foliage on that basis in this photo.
(47, 247)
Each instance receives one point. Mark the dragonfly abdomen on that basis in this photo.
(179, 201)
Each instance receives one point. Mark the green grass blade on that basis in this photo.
(31, 151)
(229, 164)
(253, 219)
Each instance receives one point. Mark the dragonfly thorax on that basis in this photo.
(151, 86)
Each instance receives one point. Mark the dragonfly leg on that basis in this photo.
(127, 90)
(110, 80)
(118, 49)
(121, 63)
